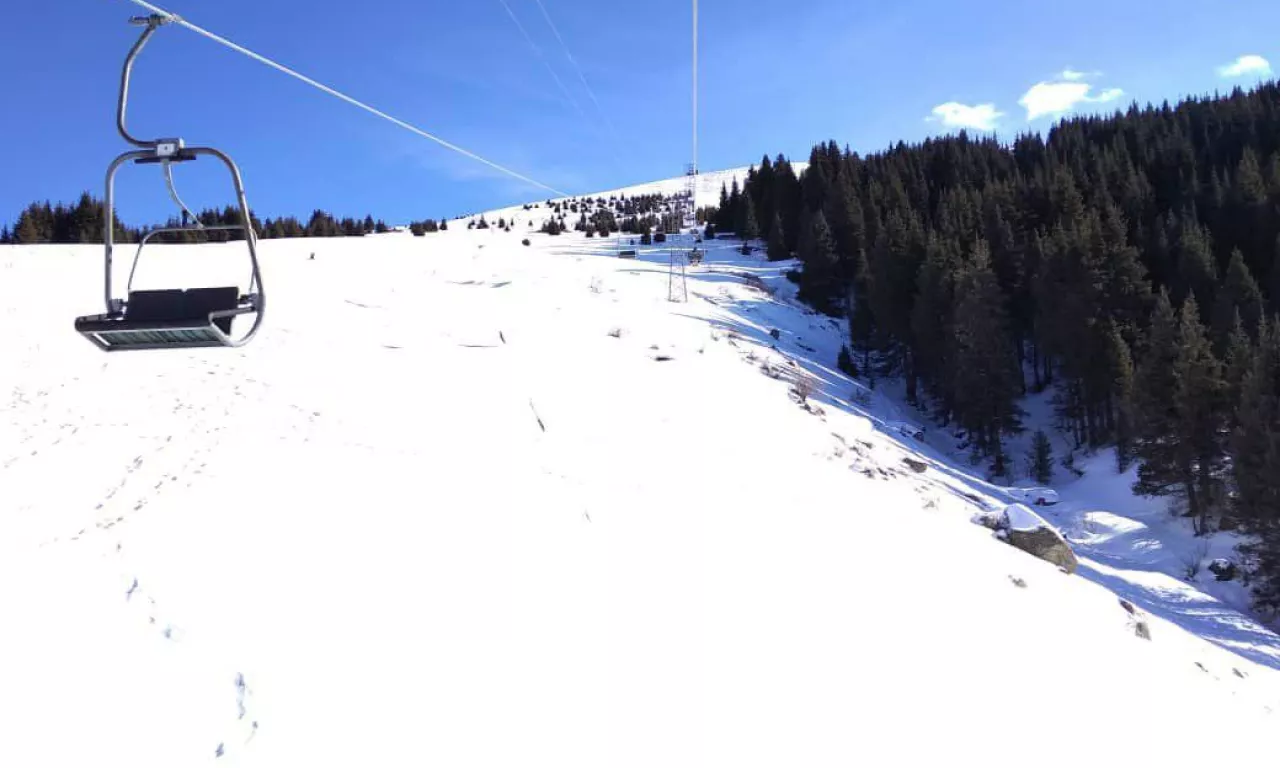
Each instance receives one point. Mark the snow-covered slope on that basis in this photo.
(471, 503)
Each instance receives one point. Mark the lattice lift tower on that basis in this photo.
(679, 257)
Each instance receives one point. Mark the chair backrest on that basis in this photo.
(179, 305)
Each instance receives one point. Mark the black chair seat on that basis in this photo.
(182, 306)
(165, 318)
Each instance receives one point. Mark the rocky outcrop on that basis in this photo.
(1046, 544)
(1019, 526)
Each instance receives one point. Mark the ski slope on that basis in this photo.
(470, 503)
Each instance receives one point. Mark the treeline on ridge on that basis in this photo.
(82, 223)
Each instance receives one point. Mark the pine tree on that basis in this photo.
(1255, 447)
(1274, 284)
(777, 247)
(723, 221)
(27, 230)
(818, 254)
(1255, 442)
(1041, 458)
(861, 320)
(1197, 275)
(1122, 391)
(1155, 413)
(1238, 297)
(1238, 361)
(788, 201)
(848, 224)
(1198, 402)
(750, 230)
(931, 323)
(984, 369)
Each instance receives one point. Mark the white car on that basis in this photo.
(1041, 497)
(906, 429)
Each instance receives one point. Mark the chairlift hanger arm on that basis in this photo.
(152, 22)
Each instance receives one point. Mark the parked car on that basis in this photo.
(906, 429)
(1041, 497)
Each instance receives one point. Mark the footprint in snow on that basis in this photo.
(245, 727)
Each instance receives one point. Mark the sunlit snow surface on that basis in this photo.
(468, 503)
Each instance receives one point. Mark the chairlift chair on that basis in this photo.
(172, 318)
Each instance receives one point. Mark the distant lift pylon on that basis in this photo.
(171, 318)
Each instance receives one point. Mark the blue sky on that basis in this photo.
(776, 77)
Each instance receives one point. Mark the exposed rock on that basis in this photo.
(1019, 526)
(915, 465)
(1046, 544)
(1141, 629)
(1139, 623)
(1018, 582)
(775, 333)
(989, 518)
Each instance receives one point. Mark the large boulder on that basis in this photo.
(1029, 532)
(1026, 530)
(1046, 544)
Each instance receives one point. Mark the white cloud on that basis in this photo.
(980, 117)
(1071, 74)
(1058, 98)
(1246, 65)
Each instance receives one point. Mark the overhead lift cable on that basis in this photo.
(538, 52)
(590, 91)
(176, 19)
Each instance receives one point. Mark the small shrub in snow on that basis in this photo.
(616, 333)
(845, 363)
(803, 388)
(525, 241)
(1193, 560)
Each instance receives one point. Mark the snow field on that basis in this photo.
(360, 516)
